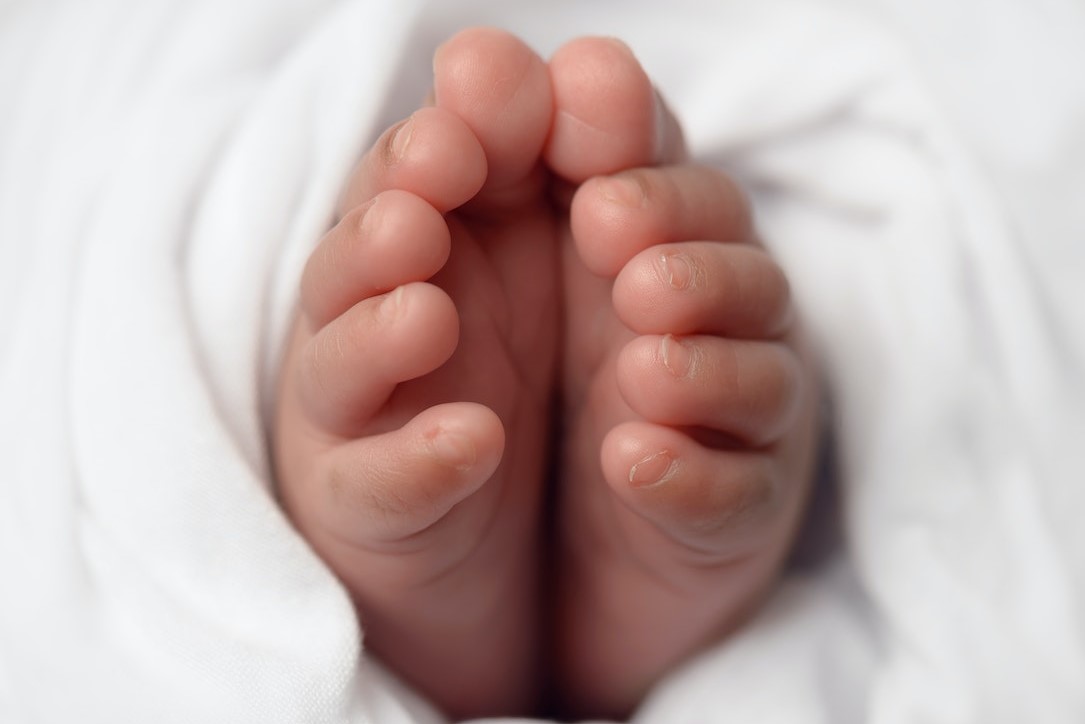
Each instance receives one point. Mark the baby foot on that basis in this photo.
(689, 423)
(414, 412)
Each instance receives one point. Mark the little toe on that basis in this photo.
(703, 287)
(616, 217)
(382, 491)
(607, 115)
(350, 367)
(500, 88)
(749, 391)
(713, 502)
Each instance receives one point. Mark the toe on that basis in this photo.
(735, 290)
(616, 217)
(394, 239)
(607, 116)
(500, 88)
(715, 502)
(381, 490)
(350, 367)
(433, 155)
(746, 390)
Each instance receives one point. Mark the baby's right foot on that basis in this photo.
(411, 437)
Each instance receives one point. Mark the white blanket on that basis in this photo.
(165, 166)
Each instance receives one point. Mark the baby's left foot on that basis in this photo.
(690, 404)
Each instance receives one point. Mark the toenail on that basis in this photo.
(401, 140)
(392, 305)
(370, 217)
(623, 191)
(678, 270)
(654, 469)
(679, 358)
(453, 449)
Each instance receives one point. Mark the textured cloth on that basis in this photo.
(165, 167)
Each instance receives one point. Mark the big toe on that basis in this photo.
(607, 115)
(501, 90)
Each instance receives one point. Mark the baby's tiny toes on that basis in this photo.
(377, 491)
(704, 287)
(350, 367)
(393, 239)
(748, 390)
(715, 503)
(613, 218)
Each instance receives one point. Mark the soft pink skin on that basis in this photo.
(526, 232)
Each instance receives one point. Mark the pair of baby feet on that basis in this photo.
(543, 410)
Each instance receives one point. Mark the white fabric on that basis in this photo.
(165, 167)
